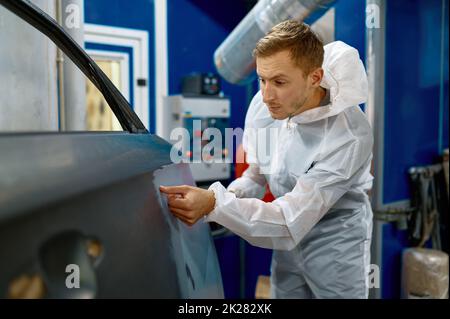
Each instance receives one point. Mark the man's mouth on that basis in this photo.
(274, 108)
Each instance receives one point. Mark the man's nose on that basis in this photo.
(268, 93)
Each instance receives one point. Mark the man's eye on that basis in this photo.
(262, 80)
(280, 82)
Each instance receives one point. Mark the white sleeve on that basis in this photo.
(283, 223)
(251, 184)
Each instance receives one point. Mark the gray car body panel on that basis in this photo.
(100, 186)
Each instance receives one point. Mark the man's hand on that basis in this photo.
(189, 203)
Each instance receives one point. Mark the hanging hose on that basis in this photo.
(424, 222)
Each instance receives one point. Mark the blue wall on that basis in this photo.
(416, 104)
(413, 109)
(195, 29)
(416, 111)
(136, 14)
(350, 27)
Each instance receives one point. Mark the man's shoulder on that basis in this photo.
(351, 122)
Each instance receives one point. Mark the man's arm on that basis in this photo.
(283, 223)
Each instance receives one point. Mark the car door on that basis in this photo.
(81, 215)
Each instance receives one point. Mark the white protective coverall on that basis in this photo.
(320, 223)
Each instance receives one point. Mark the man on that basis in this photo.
(319, 171)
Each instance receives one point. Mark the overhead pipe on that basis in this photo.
(234, 60)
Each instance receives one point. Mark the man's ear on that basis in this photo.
(316, 77)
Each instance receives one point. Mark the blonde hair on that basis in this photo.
(305, 47)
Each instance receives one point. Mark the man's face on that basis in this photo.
(283, 85)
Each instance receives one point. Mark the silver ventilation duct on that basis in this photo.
(233, 58)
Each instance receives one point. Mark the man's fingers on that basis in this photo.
(174, 189)
(181, 217)
(178, 202)
(178, 211)
(173, 196)
(181, 214)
